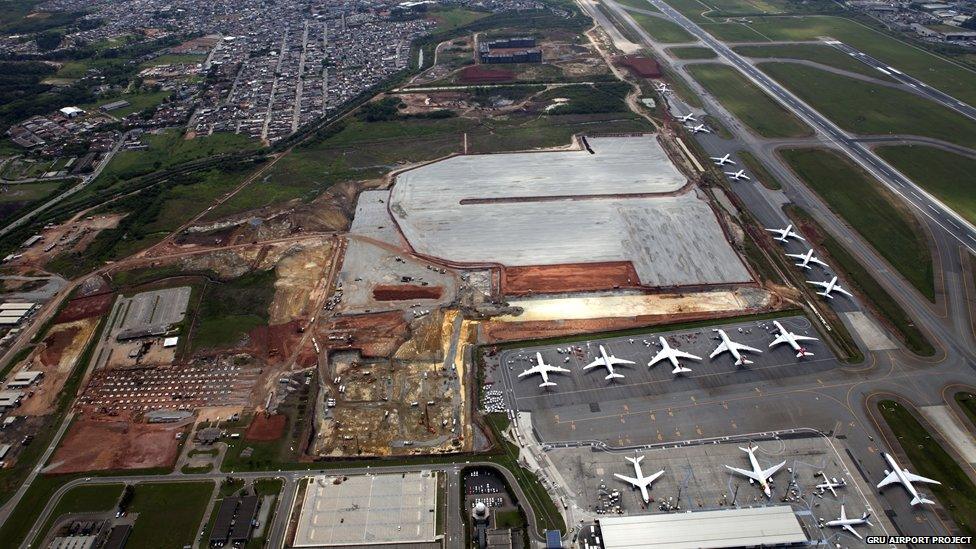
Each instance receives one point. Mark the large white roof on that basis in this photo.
(776, 525)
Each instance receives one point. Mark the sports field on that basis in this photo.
(938, 172)
(869, 109)
(749, 104)
(884, 221)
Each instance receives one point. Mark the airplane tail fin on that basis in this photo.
(547, 384)
(865, 516)
(614, 376)
(920, 499)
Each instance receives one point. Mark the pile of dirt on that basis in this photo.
(570, 277)
(264, 428)
(277, 340)
(122, 444)
(403, 292)
(375, 335)
(86, 307)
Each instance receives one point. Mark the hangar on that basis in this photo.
(775, 525)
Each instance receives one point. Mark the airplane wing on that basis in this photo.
(818, 262)
(615, 360)
(851, 529)
(722, 347)
(661, 355)
(556, 369)
(530, 371)
(595, 363)
(804, 338)
(630, 480)
(916, 478)
(843, 291)
(653, 477)
(769, 472)
(890, 479)
(798, 256)
(781, 338)
(742, 347)
(744, 473)
(818, 283)
(682, 354)
(843, 513)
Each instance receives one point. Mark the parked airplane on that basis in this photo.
(667, 352)
(543, 369)
(897, 474)
(849, 523)
(733, 348)
(757, 474)
(690, 117)
(806, 259)
(662, 88)
(792, 339)
(741, 174)
(700, 128)
(723, 160)
(830, 484)
(607, 361)
(639, 480)
(784, 235)
(829, 286)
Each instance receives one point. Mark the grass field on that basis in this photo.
(450, 19)
(230, 309)
(865, 283)
(366, 150)
(875, 213)
(99, 497)
(639, 4)
(750, 104)
(757, 168)
(169, 514)
(692, 52)
(938, 172)
(929, 459)
(823, 54)
(16, 199)
(967, 401)
(944, 74)
(662, 30)
(864, 108)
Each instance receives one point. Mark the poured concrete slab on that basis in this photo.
(552, 208)
(948, 424)
(870, 333)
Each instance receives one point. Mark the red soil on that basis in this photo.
(121, 444)
(406, 291)
(478, 74)
(265, 428)
(573, 277)
(85, 307)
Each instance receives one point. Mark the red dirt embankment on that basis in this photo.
(264, 428)
(570, 277)
(85, 307)
(386, 292)
(376, 334)
(92, 445)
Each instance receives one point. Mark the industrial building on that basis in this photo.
(520, 49)
(235, 517)
(775, 525)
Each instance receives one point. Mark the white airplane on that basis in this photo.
(829, 286)
(733, 348)
(785, 336)
(830, 484)
(757, 474)
(690, 117)
(543, 369)
(806, 259)
(784, 235)
(741, 174)
(667, 352)
(700, 128)
(662, 88)
(607, 361)
(723, 160)
(897, 474)
(849, 523)
(639, 480)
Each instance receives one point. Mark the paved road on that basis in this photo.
(951, 222)
(276, 537)
(919, 86)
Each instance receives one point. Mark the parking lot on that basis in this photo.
(695, 478)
